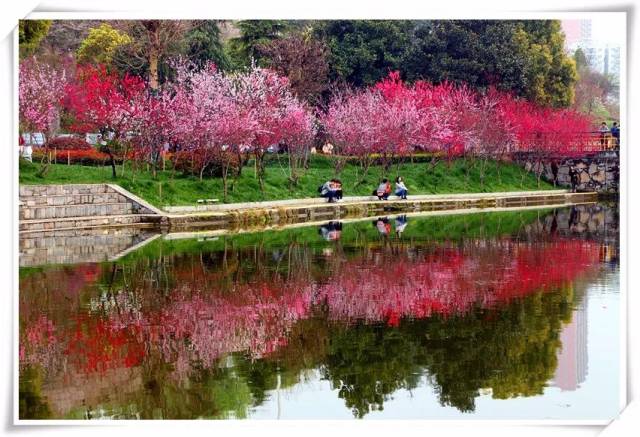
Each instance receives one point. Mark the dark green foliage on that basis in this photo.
(254, 33)
(203, 44)
(30, 33)
(526, 57)
(364, 51)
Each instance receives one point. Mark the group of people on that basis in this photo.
(614, 132)
(384, 189)
(332, 189)
(332, 231)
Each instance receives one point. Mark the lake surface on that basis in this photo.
(497, 315)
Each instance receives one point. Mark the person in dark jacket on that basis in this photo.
(615, 133)
(573, 176)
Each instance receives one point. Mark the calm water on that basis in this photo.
(511, 315)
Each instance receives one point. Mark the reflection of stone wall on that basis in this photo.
(596, 222)
(86, 392)
(590, 220)
(77, 245)
(599, 172)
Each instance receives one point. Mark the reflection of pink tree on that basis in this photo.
(452, 281)
(202, 321)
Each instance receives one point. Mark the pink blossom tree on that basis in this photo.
(279, 117)
(207, 119)
(40, 93)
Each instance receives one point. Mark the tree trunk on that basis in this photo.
(113, 164)
(153, 68)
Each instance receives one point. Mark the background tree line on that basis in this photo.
(523, 57)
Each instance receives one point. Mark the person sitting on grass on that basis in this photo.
(329, 191)
(401, 188)
(383, 190)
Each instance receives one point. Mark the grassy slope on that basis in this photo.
(185, 190)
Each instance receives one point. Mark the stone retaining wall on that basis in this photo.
(48, 207)
(333, 211)
(599, 172)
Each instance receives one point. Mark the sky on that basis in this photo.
(607, 30)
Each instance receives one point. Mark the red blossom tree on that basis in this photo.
(103, 101)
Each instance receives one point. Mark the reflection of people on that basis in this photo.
(383, 190)
(401, 224)
(401, 188)
(573, 218)
(383, 225)
(331, 231)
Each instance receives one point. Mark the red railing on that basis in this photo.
(567, 143)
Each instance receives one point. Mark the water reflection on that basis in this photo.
(189, 329)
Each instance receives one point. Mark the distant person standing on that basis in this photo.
(615, 133)
(573, 176)
(604, 131)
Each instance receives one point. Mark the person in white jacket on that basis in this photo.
(401, 188)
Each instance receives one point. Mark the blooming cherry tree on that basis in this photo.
(40, 92)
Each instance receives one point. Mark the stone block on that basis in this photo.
(584, 177)
(599, 176)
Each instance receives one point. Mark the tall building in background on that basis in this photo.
(576, 31)
(602, 57)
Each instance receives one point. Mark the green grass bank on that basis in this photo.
(174, 188)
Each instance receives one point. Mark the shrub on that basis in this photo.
(69, 143)
(192, 162)
(82, 157)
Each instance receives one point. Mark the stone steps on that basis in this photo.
(73, 206)
(76, 210)
(72, 199)
(52, 190)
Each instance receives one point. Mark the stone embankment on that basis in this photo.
(69, 207)
(309, 210)
(596, 172)
(55, 208)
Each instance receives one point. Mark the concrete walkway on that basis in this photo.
(310, 210)
(349, 200)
